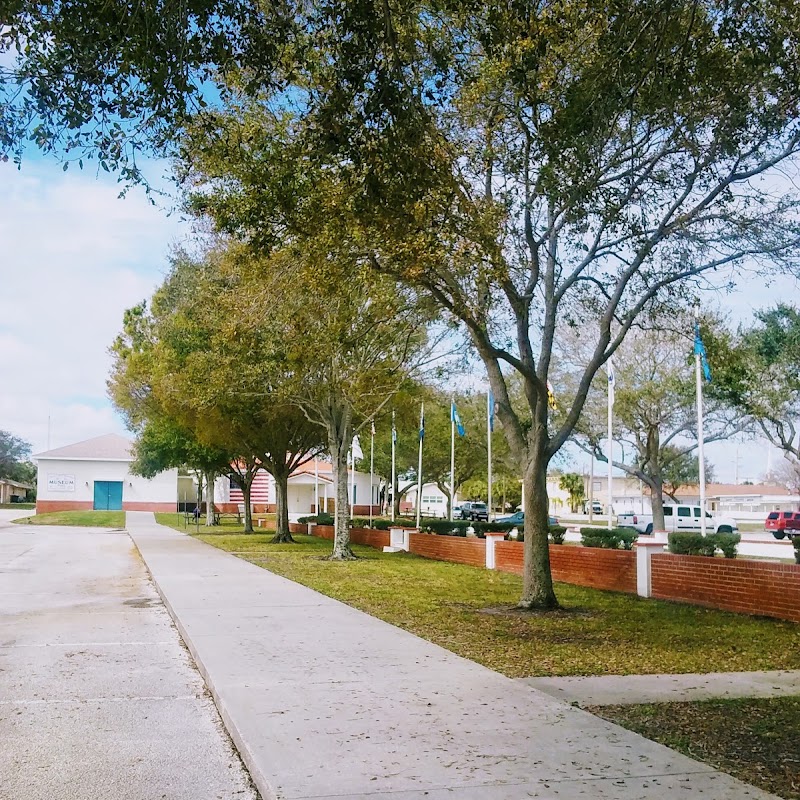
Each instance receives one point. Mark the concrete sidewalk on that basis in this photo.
(610, 690)
(324, 701)
(98, 699)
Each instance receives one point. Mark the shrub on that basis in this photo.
(691, 543)
(318, 519)
(609, 539)
(796, 543)
(444, 527)
(627, 537)
(378, 523)
(557, 534)
(727, 542)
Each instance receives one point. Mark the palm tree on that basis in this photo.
(572, 483)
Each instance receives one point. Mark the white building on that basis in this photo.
(95, 474)
(310, 486)
(434, 501)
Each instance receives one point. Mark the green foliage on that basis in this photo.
(609, 539)
(573, 483)
(796, 544)
(457, 148)
(726, 542)
(458, 527)
(761, 375)
(378, 523)
(557, 534)
(691, 543)
(318, 519)
(14, 453)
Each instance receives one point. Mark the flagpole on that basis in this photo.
(452, 456)
(394, 476)
(371, 469)
(489, 413)
(419, 464)
(702, 463)
(610, 445)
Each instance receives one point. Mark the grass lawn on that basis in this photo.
(755, 740)
(21, 506)
(226, 525)
(470, 611)
(87, 519)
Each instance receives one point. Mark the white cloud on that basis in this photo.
(74, 258)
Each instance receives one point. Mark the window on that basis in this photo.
(684, 511)
(696, 512)
(667, 511)
(596, 485)
(773, 515)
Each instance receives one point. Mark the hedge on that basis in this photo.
(692, 543)
(609, 539)
(796, 543)
(318, 519)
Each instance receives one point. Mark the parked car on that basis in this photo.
(677, 518)
(597, 507)
(475, 511)
(518, 518)
(782, 524)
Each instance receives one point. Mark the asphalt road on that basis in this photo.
(98, 696)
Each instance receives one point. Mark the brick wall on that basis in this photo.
(160, 507)
(457, 549)
(45, 506)
(323, 531)
(582, 566)
(370, 537)
(752, 587)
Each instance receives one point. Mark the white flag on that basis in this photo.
(612, 382)
(357, 452)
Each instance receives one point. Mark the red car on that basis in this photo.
(783, 523)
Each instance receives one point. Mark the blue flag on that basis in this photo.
(456, 419)
(700, 350)
(490, 410)
(422, 423)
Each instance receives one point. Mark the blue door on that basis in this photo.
(108, 495)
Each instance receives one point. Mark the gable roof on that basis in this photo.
(110, 447)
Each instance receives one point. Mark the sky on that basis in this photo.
(75, 256)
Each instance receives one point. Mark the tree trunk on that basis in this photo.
(339, 445)
(657, 503)
(282, 533)
(537, 583)
(210, 477)
(247, 485)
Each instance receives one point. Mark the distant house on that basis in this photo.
(13, 491)
(739, 499)
(95, 474)
(434, 501)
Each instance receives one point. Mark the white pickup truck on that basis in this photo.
(677, 518)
